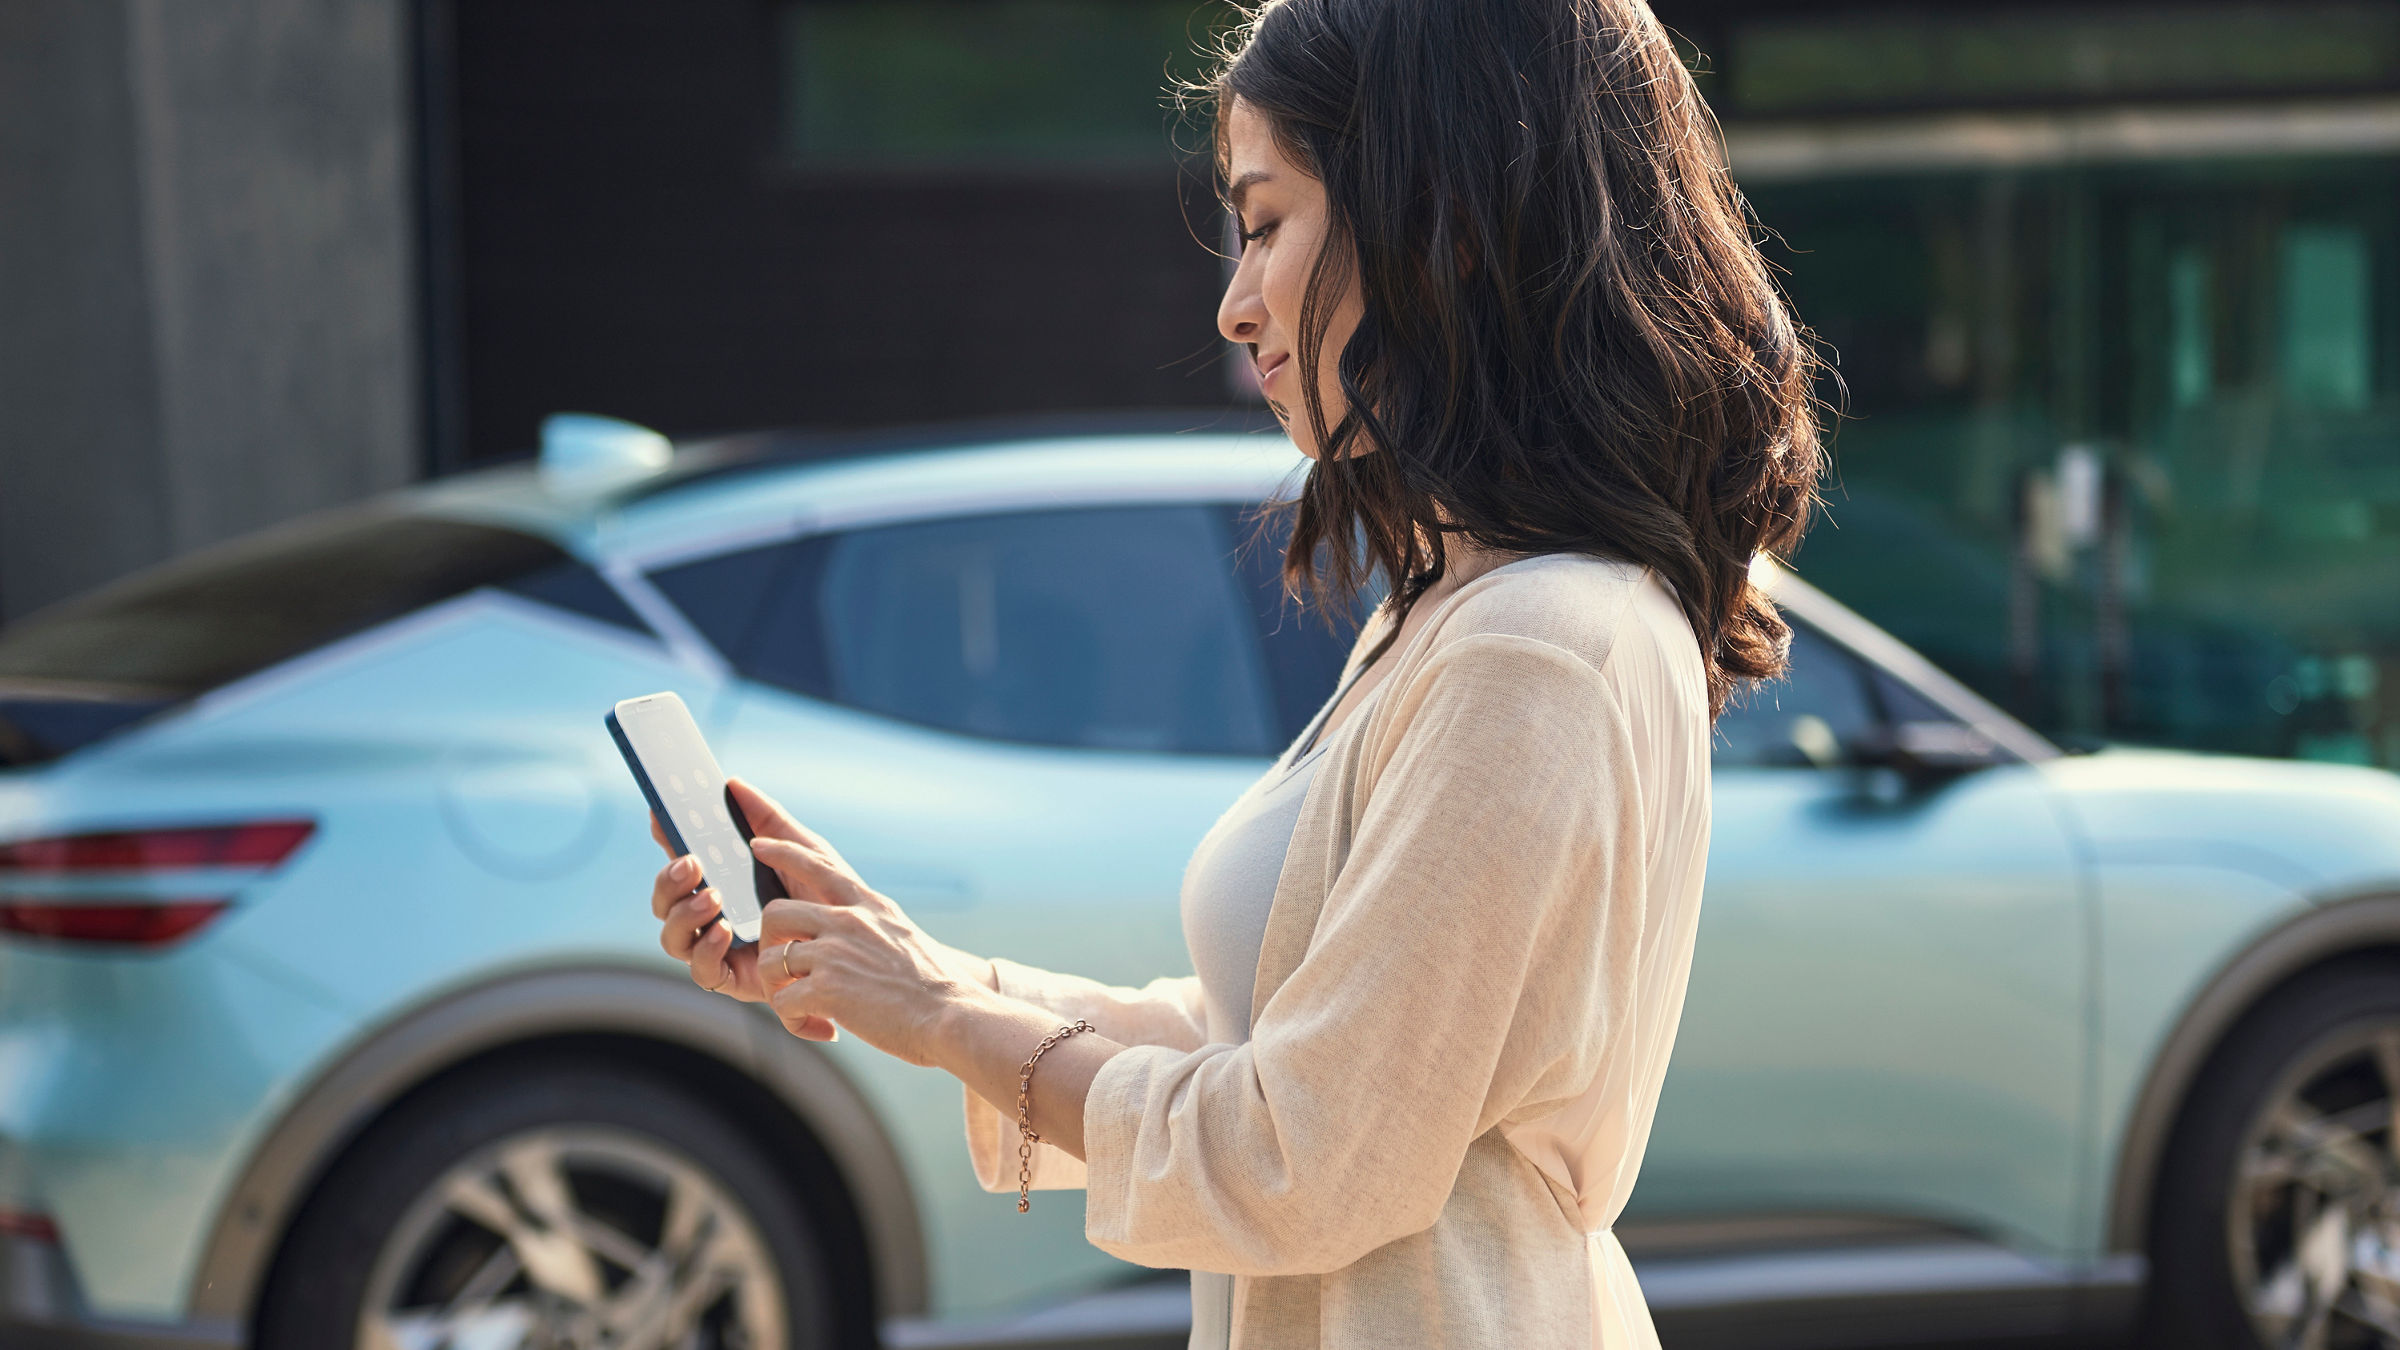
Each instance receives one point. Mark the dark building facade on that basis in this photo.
(657, 211)
(2114, 291)
(208, 261)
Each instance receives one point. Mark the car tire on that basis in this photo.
(581, 1201)
(2250, 1233)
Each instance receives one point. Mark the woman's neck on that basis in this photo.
(1464, 562)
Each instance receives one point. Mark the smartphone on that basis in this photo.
(687, 792)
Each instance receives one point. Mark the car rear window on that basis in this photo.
(179, 630)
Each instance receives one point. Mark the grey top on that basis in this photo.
(1230, 885)
(1228, 888)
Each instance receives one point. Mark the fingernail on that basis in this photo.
(686, 865)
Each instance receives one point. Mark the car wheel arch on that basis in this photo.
(2348, 929)
(667, 1023)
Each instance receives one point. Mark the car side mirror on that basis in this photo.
(1929, 752)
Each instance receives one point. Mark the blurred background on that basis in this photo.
(2113, 289)
(2113, 294)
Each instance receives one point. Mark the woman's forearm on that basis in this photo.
(983, 1041)
(967, 967)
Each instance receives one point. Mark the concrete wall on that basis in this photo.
(207, 275)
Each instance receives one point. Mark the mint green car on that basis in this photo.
(332, 1013)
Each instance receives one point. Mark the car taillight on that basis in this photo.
(137, 888)
(259, 844)
(25, 1223)
(135, 925)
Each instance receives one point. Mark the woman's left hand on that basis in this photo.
(841, 951)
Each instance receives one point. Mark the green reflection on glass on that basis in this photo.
(2326, 339)
(2191, 317)
(1929, 56)
(2125, 444)
(948, 82)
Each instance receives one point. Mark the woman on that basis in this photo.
(1500, 290)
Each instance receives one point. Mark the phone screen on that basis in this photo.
(686, 790)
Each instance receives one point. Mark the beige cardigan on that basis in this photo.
(1468, 987)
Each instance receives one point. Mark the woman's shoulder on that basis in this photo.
(1604, 625)
(1589, 607)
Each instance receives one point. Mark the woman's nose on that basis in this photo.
(1242, 313)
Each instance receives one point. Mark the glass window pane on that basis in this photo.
(1928, 55)
(2120, 444)
(726, 596)
(574, 587)
(1304, 653)
(2328, 345)
(1901, 703)
(789, 648)
(1119, 629)
(986, 81)
(1809, 718)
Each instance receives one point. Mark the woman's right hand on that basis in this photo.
(692, 935)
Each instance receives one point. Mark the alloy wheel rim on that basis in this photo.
(580, 1236)
(2313, 1219)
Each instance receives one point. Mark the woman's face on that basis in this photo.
(1284, 217)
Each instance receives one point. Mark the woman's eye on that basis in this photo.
(1247, 236)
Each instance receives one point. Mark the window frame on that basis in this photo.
(1243, 616)
(1237, 486)
(1885, 655)
(1226, 496)
(1230, 484)
(1871, 702)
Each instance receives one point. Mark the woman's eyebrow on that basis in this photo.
(1241, 187)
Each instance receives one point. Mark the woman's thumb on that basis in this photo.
(767, 817)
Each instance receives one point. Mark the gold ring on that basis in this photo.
(722, 980)
(787, 961)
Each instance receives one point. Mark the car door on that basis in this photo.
(1016, 724)
(1887, 1013)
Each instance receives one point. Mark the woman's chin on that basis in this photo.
(1295, 430)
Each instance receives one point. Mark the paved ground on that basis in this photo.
(1160, 1310)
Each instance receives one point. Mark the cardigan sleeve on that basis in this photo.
(1165, 1012)
(1472, 960)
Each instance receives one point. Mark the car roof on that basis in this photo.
(737, 491)
(719, 493)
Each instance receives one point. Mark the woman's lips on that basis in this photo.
(1268, 367)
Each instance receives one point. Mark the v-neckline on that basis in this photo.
(1312, 740)
(1314, 737)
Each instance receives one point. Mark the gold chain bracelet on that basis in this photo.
(1026, 1137)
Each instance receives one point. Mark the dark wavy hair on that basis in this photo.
(1570, 342)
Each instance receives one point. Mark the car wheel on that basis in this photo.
(2277, 1222)
(566, 1205)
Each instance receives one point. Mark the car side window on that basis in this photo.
(1304, 654)
(758, 607)
(1120, 628)
(574, 587)
(1813, 716)
(724, 596)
